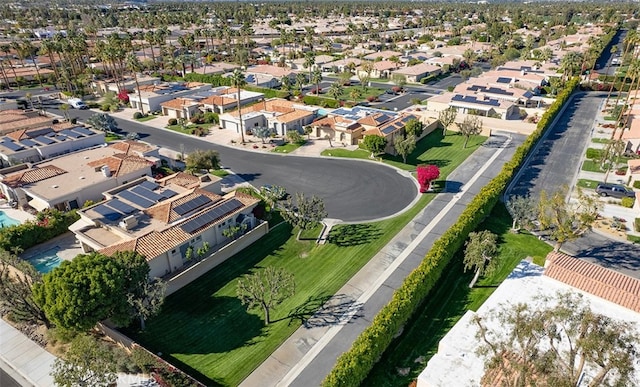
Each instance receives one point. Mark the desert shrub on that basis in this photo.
(137, 115)
(173, 121)
(627, 202)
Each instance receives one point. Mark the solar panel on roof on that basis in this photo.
(28, 142)
(211, 215)
(121, 206)
(107, 212)
(82, 130)
(192, 204)
(167, 193)
(70, 133)
(44, 140)
(147, 194)
(60, 138)
(503, 80)
(135, 199)
(11, 145)
(149, 185)
(51, 134)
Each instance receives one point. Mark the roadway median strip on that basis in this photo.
(308, 357)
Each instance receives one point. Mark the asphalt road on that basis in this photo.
(352, 190)
(555, 162)
(603, 64)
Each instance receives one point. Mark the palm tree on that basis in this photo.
(570, 62)
(316, 78)
(238, 80)
(133, 64)
(48, 47)
(7, 49)
(309, 61)
(300, 80)
(335, 90)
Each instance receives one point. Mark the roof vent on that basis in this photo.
(54, 186)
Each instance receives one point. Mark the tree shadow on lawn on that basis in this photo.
(353, 234)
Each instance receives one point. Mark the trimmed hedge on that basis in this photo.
(353, 366)
(321, 101)
(48, 224)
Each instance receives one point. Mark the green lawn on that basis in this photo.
(591, 166)
(189, 128)
(288, 147)
(149, 117)
(586, 183)
(204, 330)
(311, 234)
(445, 152)
(601, 140)
(451, 299)
(220, 172)
(108, 137)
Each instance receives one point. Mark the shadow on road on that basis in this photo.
(325, 311)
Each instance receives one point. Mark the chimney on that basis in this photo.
(106, 171)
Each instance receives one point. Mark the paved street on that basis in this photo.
(352, 190)
(556, 162)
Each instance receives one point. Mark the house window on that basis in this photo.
(173, 251)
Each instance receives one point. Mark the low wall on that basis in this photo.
(120, 339)
(192, 273)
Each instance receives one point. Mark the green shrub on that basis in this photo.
(321, 101)
(211, 118)
(48, 224)
(173, 121)
(627, 202)
(105, 107)
(137, 115)
(354, 365)
(636, 184)
(594, 154)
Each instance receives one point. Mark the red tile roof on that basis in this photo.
(597, 280)
(32, 176)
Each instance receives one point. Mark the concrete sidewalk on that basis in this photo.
(28, 362)
(310, 353)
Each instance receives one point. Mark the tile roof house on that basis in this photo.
(632, 135)
(223, 98)
(415, 73)
(391, 128)
(37, 144)
(15, 119)
(68, 181)
(339, 129)
(278, 114)
(171, 225)
(153, 95)
(475, 104)
(457, 362)
(180, 108)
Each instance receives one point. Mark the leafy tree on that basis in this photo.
(522, 209)
(203, 159)
(16, 294)
(552, 345)
(566, 221)
(308, 130)
(399, 79)
(103, 122)
(233, 232)
(305, 213)
(426, 175)
(414, 127)
(471, 126)
(345, 77)
(479, 254)
(87, 363)
(266, 289)
(294, 137)
(262, 132)
(149, 302)
(446, 118)
(374, 144)
(272, 194)
(405, 147)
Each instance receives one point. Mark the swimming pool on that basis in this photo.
(6, 220)
(46, 261)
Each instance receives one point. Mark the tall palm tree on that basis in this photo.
(316, 78)
(309, 61)
(28, 50)
(47, 47)
(7, 49)
(238, 80)
(133, 64)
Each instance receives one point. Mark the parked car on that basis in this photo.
(614, 190)
(77, 103)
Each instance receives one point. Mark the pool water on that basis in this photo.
(6, 220)
(46, 261)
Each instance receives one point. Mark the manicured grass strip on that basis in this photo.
(450, 301)
(311, 234)
(220, 172)
(601, 140)
(287, 148)
(591, 166)
(147, 118)
(204, 330)
(445, 152)
(586, 183)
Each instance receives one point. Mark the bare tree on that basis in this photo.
(149, 302)
(405, 147)
(471, 126)
(305, 213)
(446, 118)
(266, 289)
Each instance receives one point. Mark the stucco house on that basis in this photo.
(68, 181)
(180, 108)
(155, 94)
(172, 222)
(391, 128)
(472, 104)
(415, 73)
(278, 114)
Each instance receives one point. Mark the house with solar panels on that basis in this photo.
(173, 222)
(482, 105)
(68, 181)
(37, 144)
(152, 96)
(277, 114)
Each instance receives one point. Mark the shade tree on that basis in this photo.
(202, 160)
(480, 254)
(522, 210)
(266, 289)
(405, 147)
(471, 126)
(374, 144)
(446, 118)
(305, 212)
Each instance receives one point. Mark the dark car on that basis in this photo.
(614, 190)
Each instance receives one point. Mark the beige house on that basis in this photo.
(180, 108)
(155, 94)
(224, 98)
(173, 222)
(383, 55)
(16, 119)
(415, 73)
(391, 129)
(68, 181)
(277, 114)
(339, 129)
(471, 104)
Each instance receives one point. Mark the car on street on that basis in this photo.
(614, 190)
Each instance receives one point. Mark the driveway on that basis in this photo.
(556, 162)
(353, 190)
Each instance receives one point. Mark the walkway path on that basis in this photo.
(310, 353)
(27, 362)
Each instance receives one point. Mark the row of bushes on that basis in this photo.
(354, 365)
(321, 101)
(47, 225)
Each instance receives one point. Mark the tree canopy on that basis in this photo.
(374, 143)
(480, 253)
(103, 122)
(266, 289)
(405, 147)
(203, 159)
(305, 213)
(86, 363)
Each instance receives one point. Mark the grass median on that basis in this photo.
(408, 355)
(203, 328)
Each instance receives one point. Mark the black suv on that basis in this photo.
(614, 190)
